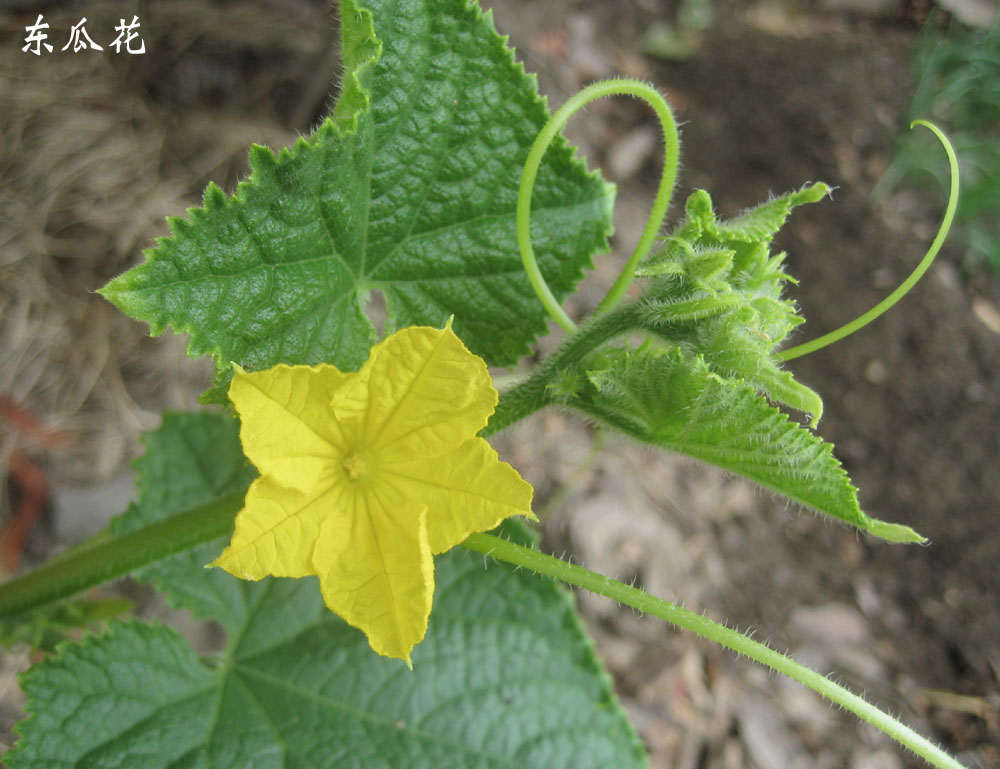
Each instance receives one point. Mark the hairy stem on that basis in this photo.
(534, 393)
(863, 320)
(615, 87)
(103, 558)
(504, 550)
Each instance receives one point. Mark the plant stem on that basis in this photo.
(863, 320)
(534, 393)
(615, 87)
(102, 558)
(504, 550)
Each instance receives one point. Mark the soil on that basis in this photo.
(773, 95)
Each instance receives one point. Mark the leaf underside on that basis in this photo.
(409, 188)
(670, 401)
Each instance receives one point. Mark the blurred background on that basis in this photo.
(97, 147)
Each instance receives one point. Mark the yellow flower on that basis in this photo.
(365, 476)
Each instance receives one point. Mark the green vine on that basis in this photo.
(550, 566)
(104, 557)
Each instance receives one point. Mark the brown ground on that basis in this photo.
(96, 149)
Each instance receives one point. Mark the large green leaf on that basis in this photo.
(409, 188)
(505, 677)
(670, 400)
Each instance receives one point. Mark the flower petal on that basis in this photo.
(468, 490)
(287, 429)
(277, 529)
(376, 569)
(421, 393)
(364, 476)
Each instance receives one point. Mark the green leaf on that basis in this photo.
(43, 628)
(735, 346)
(678, 403)
(505, 677)
(716, 292)
(762, 222)
(409, 188)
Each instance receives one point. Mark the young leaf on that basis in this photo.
(670, 400)
(716, 291)
(505, 676)
(762, 222)
(409, 188)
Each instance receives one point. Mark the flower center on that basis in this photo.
(357, 465)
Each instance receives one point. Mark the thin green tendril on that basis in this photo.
(863, 320)
(615, 87)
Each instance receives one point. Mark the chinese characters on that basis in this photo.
(75, 34)
(127, 33)
(79, 39)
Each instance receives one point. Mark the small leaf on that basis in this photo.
(45, 627)
(683, 311)
(709, 267)
(670, 400)
(735, 346)
(759, 224)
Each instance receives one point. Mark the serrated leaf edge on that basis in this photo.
(64, 652)
(330, 129)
